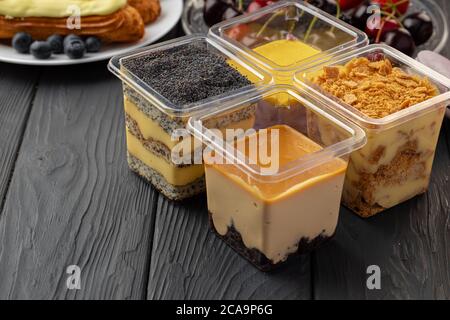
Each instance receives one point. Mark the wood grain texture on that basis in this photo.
(72, 199)
(17, 88)
(190, 262)
(410, 243)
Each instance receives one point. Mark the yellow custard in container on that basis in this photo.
(285, 36)
(400, 104)
(266, 185)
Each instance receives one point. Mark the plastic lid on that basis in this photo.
(398, 59)
(288, 20)
(289, 106)
(256, 75)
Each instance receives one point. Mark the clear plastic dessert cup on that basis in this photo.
(274, 187)
(287, 35)
(395, 164)
(154, 123)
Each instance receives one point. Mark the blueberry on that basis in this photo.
(93, 44)
(56, 42)
(22, 42)
(70, 38)
(41, 50)
(75, 49)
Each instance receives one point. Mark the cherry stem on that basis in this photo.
(269, 21)
(390, 16)
(241, 5)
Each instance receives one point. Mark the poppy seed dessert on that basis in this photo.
(178, 79)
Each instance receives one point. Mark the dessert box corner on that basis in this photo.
(312, 113)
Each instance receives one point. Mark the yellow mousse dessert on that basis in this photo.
(286, 52)
(267, 220)
(395, 165)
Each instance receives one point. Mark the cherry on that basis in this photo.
(349, 4)
(238, 32)
(401, 6)
(400, 39)
(385, 25)
(360, 16)
(420, 26)
(214, 10)
(329, 6)
(254, 6)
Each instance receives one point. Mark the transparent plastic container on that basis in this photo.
(319, 36)
(154, 123)
(266, 182)
(395, 164)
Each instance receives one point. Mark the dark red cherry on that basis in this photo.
(420, 26)
(401, 40)
(213, 11)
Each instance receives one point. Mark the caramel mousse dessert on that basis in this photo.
(161, 88)
(395, 165)
(266, 188)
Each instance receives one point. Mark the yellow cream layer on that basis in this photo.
(58, 8)
(177, 176)
(286, 52)
(151, 129)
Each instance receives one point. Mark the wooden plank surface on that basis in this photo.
(410, 243)
(72, 199)
(190, 262)
(17, 88)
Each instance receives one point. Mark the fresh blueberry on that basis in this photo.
(75, 49)
(22, 42)
(41, 50)
(70, 38)
(56, 42)
(93, 44)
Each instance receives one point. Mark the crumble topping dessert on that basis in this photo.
(395, 165)
(375, 88)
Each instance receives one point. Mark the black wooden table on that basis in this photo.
(68, 198)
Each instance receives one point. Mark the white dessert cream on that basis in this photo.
(58, 8)
(275, 217)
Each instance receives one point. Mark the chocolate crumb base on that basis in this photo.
(172, 192)
(234, 239)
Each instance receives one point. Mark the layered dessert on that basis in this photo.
(268, 221)
(108, 20)
(395, 165)
(183, 75)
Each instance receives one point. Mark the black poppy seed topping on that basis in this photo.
(187, 74)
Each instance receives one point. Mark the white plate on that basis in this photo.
(170, 15)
